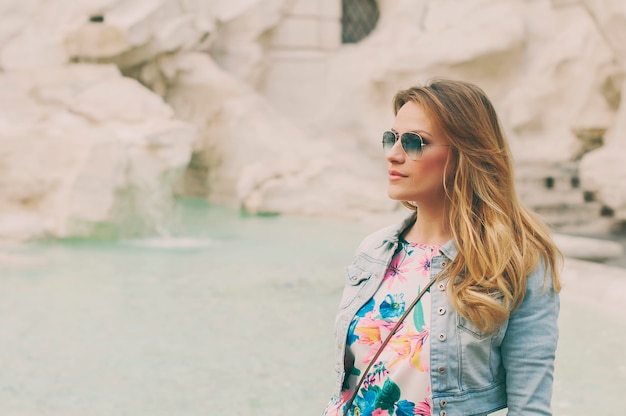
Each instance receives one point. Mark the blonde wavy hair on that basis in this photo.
(499, 241)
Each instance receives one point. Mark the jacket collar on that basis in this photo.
(449, 249)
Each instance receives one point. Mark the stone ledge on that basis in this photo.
(586, 248)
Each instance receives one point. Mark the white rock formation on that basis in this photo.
(288, 120)
(603, 171)
(39, 33)
(239, 46)
(250, 148)
(548, 66)
(526, 55)
(545, 111)
(77, 144)
(83, 146)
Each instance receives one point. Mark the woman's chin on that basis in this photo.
(397, 196)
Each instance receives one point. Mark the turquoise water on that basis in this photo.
(227, 315)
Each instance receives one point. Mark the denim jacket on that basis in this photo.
(471, 372)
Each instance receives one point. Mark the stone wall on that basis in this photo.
(102, 100)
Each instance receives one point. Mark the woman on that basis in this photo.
(484, 337)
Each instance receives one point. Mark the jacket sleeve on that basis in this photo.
(529, 347)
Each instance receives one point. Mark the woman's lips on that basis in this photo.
(394, 175)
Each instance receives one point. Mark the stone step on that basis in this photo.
(561, 215)
(602, 225)
(534, 178)
(539, 197)
(586, 248)
(553, 191)
(555, 180)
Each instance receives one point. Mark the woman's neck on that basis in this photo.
(430, 227)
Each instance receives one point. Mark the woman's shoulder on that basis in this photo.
(540, 278)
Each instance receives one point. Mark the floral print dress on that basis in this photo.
(399, 383)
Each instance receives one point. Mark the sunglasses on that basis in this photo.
(412, 143)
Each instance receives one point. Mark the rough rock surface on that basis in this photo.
(287, 117)
(604, 169)
(79, 142)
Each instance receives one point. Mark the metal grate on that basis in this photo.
(359, 18)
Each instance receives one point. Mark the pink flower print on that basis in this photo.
(380, 412)
(399, 266)
(410, 346)
(345, 395)
(417, 359)
(423, 408)
(371, 332)
(368, 330)
(424, 264)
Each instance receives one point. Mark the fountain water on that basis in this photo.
(231, 314)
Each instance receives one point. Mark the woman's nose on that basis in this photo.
(396, 153)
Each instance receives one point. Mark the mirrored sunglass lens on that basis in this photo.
(412, 145)
(389, 139)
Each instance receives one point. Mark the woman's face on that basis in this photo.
(421, 180)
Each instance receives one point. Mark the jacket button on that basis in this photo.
(441, 311)
(443, 413)
(443, 402)
(441, 370)
(441, 286)
(443, 264)
(442, 337)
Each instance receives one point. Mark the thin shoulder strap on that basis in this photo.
(385, 342)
